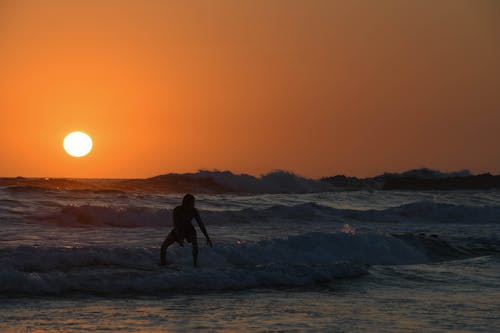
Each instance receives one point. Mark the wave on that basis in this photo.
(293, 261)
(279, 181)
(426, 173)
(417, 212)
(20, 189)
(202, 181)
(89, 215)
(23, 188)
(226, 181)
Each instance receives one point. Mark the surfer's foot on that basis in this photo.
(163, 263)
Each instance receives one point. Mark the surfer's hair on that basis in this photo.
(188, 200)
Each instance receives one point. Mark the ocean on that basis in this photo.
(327, 261)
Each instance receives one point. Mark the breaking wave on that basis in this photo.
(417, 212)
(293, 261)
(202, 181)
(426, 173)
(226, 181)
(279, 181)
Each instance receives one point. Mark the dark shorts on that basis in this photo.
(186, 233)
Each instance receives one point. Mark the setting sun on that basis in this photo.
(77, 144)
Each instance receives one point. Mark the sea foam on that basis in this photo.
(293, 261)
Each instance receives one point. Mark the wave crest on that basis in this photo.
(417, 212)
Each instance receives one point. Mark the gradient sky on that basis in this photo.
(314, 87)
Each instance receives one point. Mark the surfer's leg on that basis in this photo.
(169, 240)
(192, 239)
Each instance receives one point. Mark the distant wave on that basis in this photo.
(200, 182)
(418, 212)
(226, 181)
(279, 181)
(287, 182)
(293, 261)
(42, 188)
(426, 173)
(23, 188)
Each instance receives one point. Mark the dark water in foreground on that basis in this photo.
(419, 298)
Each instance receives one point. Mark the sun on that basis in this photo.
(77, 144)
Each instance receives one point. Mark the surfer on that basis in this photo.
(184, 230)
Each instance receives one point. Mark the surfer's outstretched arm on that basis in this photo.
(202, 228)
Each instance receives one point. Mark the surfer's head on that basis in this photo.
(188, 200)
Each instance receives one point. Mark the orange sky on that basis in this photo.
(315, 87)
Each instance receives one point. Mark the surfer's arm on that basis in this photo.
(202, 227)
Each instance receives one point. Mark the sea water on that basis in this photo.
(376, 261)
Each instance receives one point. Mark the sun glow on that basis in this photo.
(77, 144)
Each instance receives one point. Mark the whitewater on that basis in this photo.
(322, 260)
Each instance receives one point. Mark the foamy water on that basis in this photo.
(363, 260)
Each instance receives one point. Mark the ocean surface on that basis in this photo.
(373, 261)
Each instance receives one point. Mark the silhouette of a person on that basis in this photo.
(183, 229)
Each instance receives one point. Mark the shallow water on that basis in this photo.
(417, 298)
